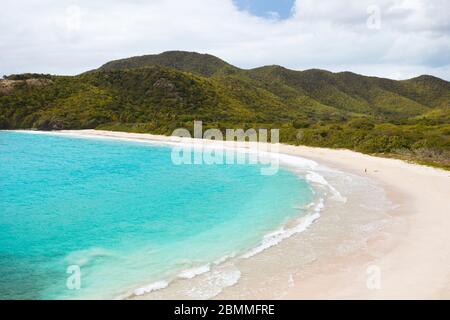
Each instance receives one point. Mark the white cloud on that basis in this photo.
(69, 37)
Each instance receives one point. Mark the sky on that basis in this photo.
(396, 39)
(278, 9)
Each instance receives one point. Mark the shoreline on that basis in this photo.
(414, 260)
(413, 257)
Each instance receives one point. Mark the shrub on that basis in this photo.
(4, 123)
(361, 123)
(301, 124)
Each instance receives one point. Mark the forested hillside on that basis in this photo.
(157, 93)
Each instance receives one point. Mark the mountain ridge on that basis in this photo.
(202, 64)
(143, 60)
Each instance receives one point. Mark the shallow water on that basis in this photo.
(126, 215)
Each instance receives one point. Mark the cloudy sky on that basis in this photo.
(390, 38)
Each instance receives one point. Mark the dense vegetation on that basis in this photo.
(158, 93)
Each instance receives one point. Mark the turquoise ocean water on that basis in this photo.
(124, 214)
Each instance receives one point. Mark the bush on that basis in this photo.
(301, 124)
(361, 123)
(383, 144)
(4, 123)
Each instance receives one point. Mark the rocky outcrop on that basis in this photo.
(7, 86)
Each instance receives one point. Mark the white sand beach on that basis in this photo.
(411, 256)
(415, 259)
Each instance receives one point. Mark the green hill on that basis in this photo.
(201, 64)
(158, 93)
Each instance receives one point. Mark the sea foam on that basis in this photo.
(315, 177)
(193, 272)
(274, 238)
(151, 287)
